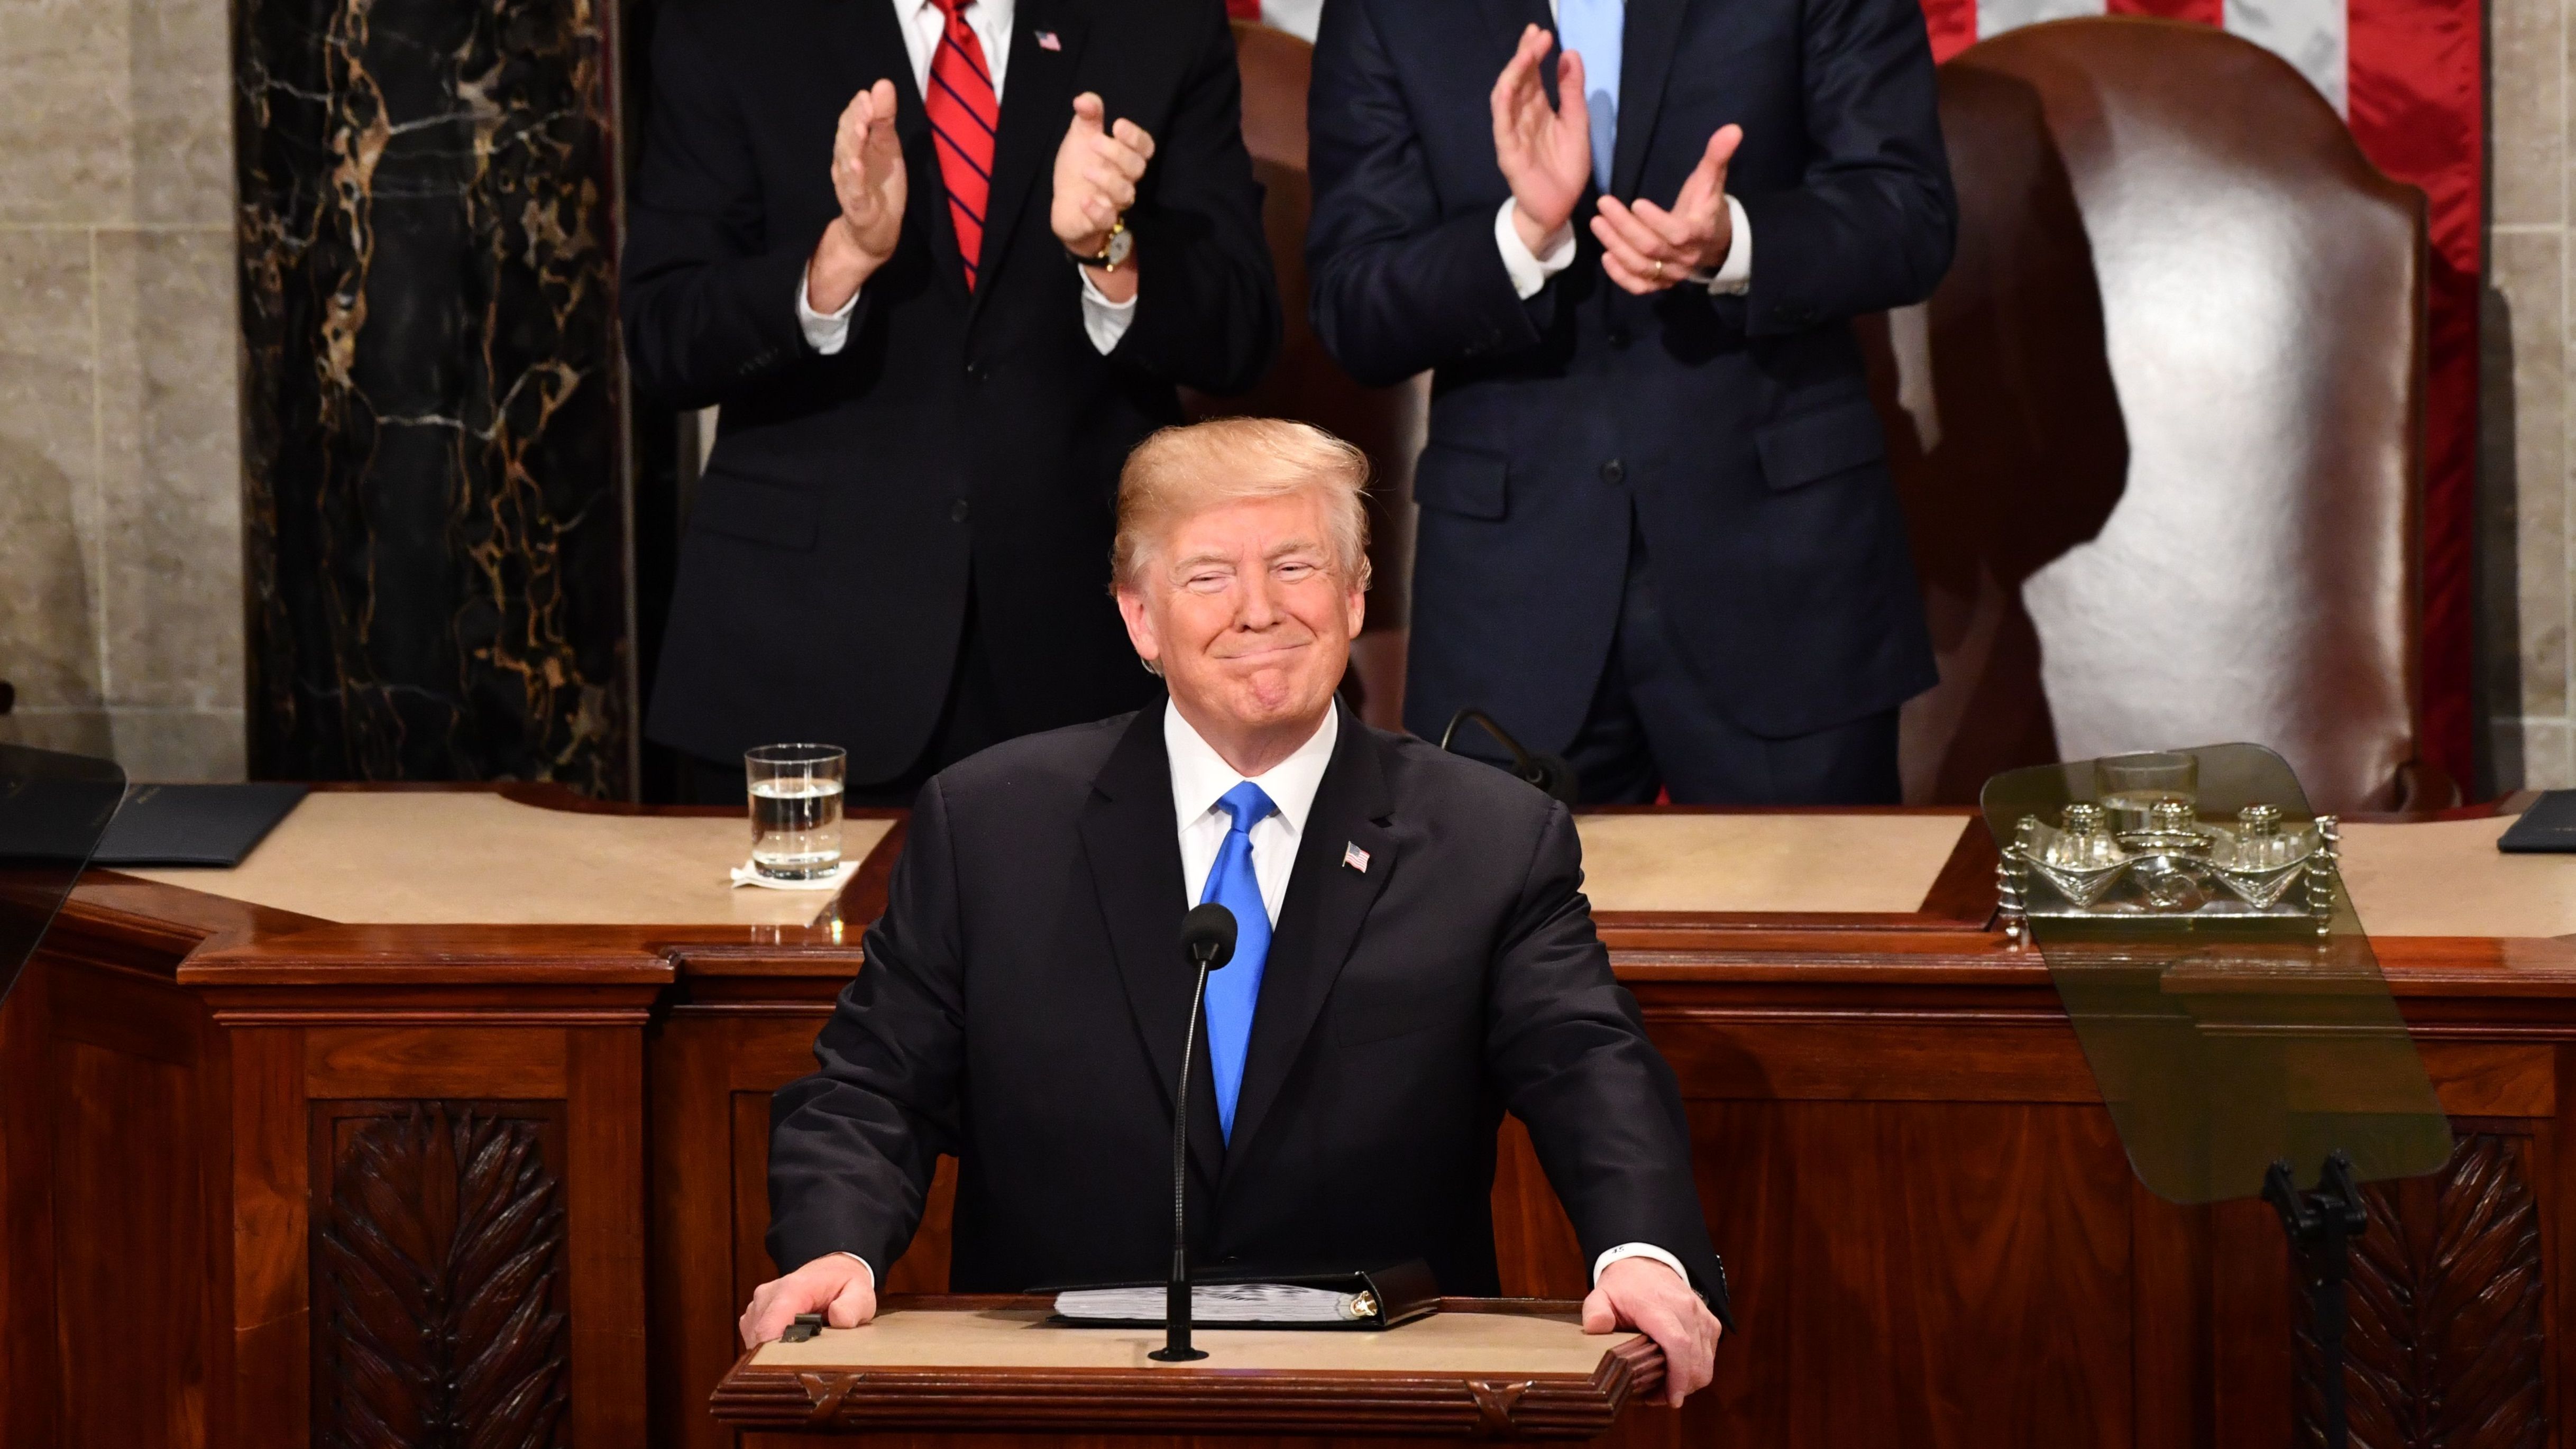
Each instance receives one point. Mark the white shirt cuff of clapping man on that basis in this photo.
(1608, 1257)
(1529, 271)
(1103, 321)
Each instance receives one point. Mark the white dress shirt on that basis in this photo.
(1103, 321)
(1530, 271)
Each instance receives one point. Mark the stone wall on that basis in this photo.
(120, 473)
(2524, 484)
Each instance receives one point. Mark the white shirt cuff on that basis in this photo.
(1637, 1250)
(1104, 321)
(826, 333)
(1735, 275)
(1529, 273)
(872, 1272)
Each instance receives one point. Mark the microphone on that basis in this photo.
(1548, 772)
(1207, 942)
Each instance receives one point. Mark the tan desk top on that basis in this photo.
(476, 858)
(1014, 1338)
(437, 857)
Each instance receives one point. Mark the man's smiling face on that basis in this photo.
(1245, 611)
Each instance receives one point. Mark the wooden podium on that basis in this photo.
(1479, 1368)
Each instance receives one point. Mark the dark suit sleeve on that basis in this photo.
(1207, 298)
(1564, 1040)
(1873, 223)
(1397, 288)
(709, 297)
(852, 1147)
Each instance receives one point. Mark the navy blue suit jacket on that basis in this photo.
(1736, 431)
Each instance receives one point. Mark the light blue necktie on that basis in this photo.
(1235, 990)
(1591, 29)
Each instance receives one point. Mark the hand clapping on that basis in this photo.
(1096, 171)
(1645, 248)
(1545, 151)
(868, 180)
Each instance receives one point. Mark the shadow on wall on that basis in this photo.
(48, 618)
(2497, 659)
(2020, 456)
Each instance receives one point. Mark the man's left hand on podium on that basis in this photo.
(1651, 1298)
(836, 1285)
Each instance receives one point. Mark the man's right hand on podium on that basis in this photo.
(836, 1285)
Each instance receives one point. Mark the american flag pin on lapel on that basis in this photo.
(1047, 41)
(1355, 858)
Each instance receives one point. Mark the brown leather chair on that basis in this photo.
(2159, 434)
(1386, 422)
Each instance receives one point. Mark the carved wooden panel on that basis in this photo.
(438, 1276)
(2446, 1340)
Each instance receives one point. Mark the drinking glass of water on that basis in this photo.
(795, 809)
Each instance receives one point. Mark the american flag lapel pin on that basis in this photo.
(1355, 858)
(1047, 41)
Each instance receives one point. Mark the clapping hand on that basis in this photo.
(868, 179)
(1545, 151)
(1096, 171)
(1648, 1296)
(1646, 248)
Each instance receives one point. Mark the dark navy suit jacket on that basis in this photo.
(1736, 431)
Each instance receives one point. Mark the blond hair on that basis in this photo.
(1180, 472)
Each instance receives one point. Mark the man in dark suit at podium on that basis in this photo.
(942, 263)
(1415, 958)
(1658, 534)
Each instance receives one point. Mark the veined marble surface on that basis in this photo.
(434, 528)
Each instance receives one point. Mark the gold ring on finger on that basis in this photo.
(1659, 269)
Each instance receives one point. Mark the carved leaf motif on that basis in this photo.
(438, 1261)
(2445, 1346)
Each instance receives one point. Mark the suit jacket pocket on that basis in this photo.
(756, 512)
(1466, 481)
(1836, 439)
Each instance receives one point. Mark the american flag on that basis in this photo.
(2406, 76)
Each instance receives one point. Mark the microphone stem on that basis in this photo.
(1176, 1302)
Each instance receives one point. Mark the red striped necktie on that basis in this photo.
(963, 115)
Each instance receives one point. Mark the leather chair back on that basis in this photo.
(1387, 423)
(2159, 430)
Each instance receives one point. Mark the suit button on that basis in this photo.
(977, 372)
(957, 511)
(1618, 337)
(1614, 472)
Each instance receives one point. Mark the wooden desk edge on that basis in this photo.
(1330, 1402)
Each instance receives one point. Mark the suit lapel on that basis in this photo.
(1646, 57)
(1037, 104)
(1320, 920)
(1134, 851)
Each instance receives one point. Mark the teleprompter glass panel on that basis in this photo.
(53, 809)
(2194, 920)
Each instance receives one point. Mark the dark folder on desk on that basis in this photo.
(207, 825)
(2549, 826)
(1362, 1300)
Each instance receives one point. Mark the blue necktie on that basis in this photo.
(1591, 29)
(1235, 990)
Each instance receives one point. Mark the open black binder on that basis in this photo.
(1398, 1294)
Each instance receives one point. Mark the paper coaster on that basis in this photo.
(745, 875)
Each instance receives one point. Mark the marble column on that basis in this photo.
(434, 524)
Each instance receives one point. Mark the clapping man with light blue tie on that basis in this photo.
(1413, 958)
(1657, 530)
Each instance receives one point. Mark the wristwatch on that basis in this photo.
(1114, 252)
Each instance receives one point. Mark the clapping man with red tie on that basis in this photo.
(941, 264)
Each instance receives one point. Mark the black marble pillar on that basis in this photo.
(436, 522)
